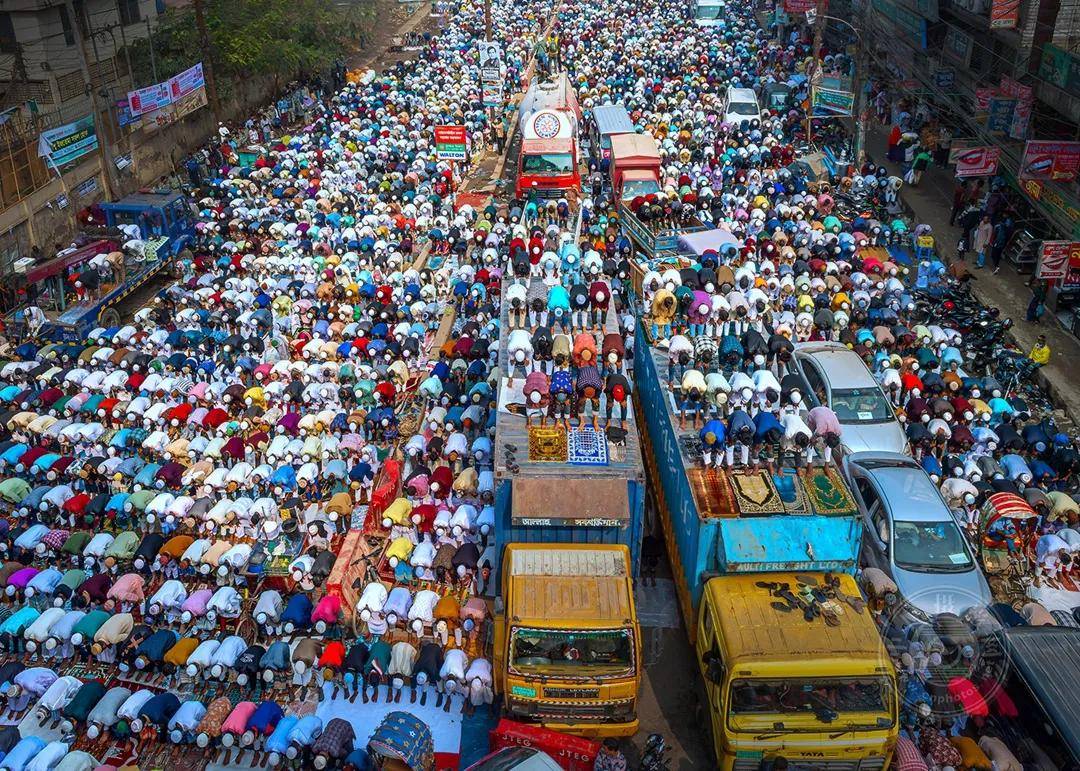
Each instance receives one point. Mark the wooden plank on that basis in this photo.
(446, 329)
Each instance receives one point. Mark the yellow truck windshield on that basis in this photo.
(829, 700)
(572, 653)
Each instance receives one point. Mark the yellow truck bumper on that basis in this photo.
(594, 730)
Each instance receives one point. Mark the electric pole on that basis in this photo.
(487, 19)
(860, 78)
(101, 128)
(814, 70)
(153, 56)
(208, 65)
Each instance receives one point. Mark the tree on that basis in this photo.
(284, 38)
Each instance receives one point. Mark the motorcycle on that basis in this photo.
(654, 758)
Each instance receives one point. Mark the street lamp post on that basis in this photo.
(857, 83)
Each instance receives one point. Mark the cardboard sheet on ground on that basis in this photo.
(1054, 599)
(512, 394)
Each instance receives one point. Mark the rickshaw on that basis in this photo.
(776, 96)
(1006, 536)
(402, 742)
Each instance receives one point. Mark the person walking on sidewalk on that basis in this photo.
(1038, 300)
(984, 235)
(1002, 232)
(944, 145)
(894, 153)
(959, 198)
(918, 165)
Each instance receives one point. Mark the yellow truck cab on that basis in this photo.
(567, 643)
(777, 685)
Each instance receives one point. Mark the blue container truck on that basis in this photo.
(562, 497)
(704, 540)
(730, 556)
(584, 510)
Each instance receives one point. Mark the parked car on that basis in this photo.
(837, 377)
(910, 533)
(741, 104)
(516, 759)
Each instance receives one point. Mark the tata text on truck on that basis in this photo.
(820, 691)
(635, 182)
(567, 649)
(549, 122)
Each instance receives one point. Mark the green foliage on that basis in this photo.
(284, 38)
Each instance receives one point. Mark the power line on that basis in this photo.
(91, 31)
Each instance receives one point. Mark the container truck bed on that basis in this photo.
(731, 522)
(724, 494)
(623, 459)
(554, 486)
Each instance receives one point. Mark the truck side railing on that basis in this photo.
(662, 241)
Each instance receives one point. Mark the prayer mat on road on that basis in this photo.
(586, 447)
(282, 551)
(756, 493)
(827, 492)
(791, 490)
(547, 445)
(713, 493)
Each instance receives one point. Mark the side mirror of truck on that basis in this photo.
(716, 673)
(714, 668)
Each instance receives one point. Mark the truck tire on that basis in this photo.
(109, 317)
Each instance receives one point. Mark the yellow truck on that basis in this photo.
(821, 693)
(778, 686)
(567, 646)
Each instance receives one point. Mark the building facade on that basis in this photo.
(957, 54)
(54, 56)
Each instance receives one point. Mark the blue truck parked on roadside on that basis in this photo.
(165, 227)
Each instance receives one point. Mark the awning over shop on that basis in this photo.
(701, 241)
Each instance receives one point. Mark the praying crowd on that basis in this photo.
(277, 479)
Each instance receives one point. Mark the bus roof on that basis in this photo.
(755, 634)
(612, 119)
(564, 585)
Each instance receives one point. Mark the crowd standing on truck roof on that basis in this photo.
(272, 493)
(746, 322)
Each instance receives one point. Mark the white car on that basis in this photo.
(910, 533)
(741, 104)
(839, 379)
